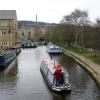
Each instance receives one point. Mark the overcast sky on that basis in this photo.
(50, 11)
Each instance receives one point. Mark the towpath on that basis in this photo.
(90, 66)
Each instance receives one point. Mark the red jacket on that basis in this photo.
(57, 73)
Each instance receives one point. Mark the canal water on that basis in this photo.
(22, 80)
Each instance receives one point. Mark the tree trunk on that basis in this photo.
(69, 44)
(94, 52)
(82, 37)
(76, 36)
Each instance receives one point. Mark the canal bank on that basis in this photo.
(91, 67)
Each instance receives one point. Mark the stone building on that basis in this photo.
(8, 28)
(27, 30)
(25, 34)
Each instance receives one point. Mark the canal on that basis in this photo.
(22, 80)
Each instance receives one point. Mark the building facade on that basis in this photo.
(28, 30)
(25, 34)
(8, 28)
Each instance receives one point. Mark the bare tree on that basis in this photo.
(77, 18)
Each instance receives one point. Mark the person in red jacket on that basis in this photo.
(57, 74)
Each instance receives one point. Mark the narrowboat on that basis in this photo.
(53, 49)
(29, 45)
(34, 45)
(16, 48)
(6, 58)
(57, 82)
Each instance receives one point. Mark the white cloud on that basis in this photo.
(50, 10)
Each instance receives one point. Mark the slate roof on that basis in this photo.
(8, 14)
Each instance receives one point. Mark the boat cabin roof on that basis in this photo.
(53, 47)
(6, 52)
(50, 64)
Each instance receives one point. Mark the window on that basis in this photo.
(29, 32)
(22, 33)
(44, 68)
(29, 35)
(50, 77)
(66, 79)
(15, 34)
(4, 43)
(3, 33)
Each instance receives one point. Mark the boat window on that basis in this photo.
(5, 57)
(1, 59)
(46, 69)
(50, 77)
(43, 65)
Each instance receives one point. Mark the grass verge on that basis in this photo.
(84, 52)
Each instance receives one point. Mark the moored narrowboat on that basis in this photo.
(34, 45)
(29, 44)
(16, 48)
(56, 78)
(53, 49)
(6, 58)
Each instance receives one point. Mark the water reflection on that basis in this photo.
(8, 79)
(62, 96)
(12, 69)
(22, 80)
(83, 86)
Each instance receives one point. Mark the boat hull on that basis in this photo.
(6, 61)
(54, 53)
(5, 65)
(29, 46)
(45, 78)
